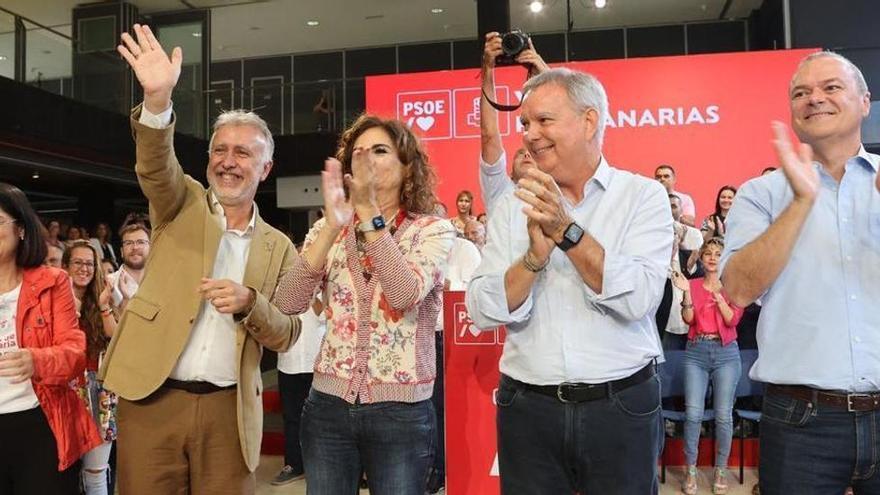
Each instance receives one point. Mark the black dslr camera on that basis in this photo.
(512, 44)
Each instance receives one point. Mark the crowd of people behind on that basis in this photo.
(594, 271)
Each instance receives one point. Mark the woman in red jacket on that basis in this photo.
(44, 426)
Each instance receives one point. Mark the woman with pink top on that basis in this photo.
(379, 259)
(464, 205)
(712, 352)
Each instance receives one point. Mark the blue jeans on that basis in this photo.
(607, 445)
(815, 449)
(705, 359)
(393, 442)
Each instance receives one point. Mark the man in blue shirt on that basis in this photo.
(574, 266)
(806, 240)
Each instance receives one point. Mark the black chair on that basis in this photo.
(672, 386)
(747, 388)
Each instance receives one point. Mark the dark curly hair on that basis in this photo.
(419, 179)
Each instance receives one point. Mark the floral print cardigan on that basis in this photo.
(381, 306)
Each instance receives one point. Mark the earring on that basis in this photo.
(21, 236)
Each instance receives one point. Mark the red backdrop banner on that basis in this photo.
(471, 365)
(706, 115)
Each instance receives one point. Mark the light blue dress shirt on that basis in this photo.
(820, 319)
(564, 331)
(494, 181)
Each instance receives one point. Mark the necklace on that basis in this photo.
(361, 243)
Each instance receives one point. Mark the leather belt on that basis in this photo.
(199, 388)
(854, 402)
(707, 336)
(583, 392)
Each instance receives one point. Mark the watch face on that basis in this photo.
(574, 233)
(378, 222)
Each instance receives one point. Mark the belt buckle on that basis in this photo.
(560, 396)
(849, 400)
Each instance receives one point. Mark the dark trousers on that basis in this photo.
(812, 448)
(29, 459)
(608, 445)
(393, 442)
(294, 390)
(437, 477)
(661, 317)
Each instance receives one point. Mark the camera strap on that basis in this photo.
(507, 108)
(499, 106)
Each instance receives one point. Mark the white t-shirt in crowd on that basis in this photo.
(14, 397)
(464, 258)
(300, 358)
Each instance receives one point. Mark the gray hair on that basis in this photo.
(245, 118)
(861, 85)
(583, 89)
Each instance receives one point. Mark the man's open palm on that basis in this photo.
(156, 72)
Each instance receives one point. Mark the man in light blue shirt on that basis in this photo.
(574, 266)
(806, 239)
(494, 181)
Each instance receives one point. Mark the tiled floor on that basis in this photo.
(270, 465)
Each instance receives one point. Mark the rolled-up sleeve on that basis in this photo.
(634, 274)
(486, 297)
(494, 181)
(748, 218)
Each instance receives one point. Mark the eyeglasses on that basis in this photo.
(138, 243)
(4, 221)
(79, 265)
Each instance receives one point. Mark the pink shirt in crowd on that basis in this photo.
(707, 316)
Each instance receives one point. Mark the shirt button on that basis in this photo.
(849, 258)
(853, 297)
(858, 339)
(844, 219)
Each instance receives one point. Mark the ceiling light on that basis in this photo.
(437, 11)
(35, 175)
(2, 57)
(536, 6)
(600, 4)
(197, 35)
(312, 23)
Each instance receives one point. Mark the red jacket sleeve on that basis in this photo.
(65, 358)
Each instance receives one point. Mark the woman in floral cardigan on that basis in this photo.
(380, 259)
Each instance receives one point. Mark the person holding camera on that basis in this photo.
(574, 266)
(494, 180)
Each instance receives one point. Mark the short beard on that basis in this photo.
(138, 266)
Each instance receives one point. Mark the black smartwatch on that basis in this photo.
(376, 223)
(572, 235)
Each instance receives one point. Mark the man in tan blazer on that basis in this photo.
(185, 360)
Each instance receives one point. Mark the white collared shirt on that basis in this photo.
(210, 354)
(564, 331)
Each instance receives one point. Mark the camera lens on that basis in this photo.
(513, 43)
